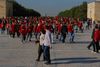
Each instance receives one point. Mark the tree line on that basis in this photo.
(19, 10)
(76, 12)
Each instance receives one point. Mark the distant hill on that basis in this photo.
(76, 12)
(19, 10)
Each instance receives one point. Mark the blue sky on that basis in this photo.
(50, 7)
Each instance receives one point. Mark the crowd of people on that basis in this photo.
(27, 26)
(44, 29)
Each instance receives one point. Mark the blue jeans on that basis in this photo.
(71, 36)
(37, 35)
(47, 53)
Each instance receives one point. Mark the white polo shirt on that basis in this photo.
(47, 39)
(42, 36)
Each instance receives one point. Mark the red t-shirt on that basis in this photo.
(97, 35)
(38, 29)
(30, 29)
(0, 26)
(59, 28)
(13, 27)
(70, 28)
(23, 30)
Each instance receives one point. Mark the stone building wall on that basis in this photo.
(6, 8)
(94, 11)
(97, 10)
(2, 8)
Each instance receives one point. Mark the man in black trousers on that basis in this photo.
(63, 32)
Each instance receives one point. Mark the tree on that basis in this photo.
(76, 12)
(19, 10)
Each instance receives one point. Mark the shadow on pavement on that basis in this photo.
(3, 36)
(84, 60)
(80, 42)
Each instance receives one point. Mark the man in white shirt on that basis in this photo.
(47, 46)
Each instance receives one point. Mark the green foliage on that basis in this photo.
(76, 12)
(19, 10)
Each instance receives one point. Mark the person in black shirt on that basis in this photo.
(63, 32)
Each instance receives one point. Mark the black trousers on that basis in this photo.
(29, 36)
(91, 44)
(40, 52)
(63, 37)
(97, 46)
(18, 34)
(47, 53)
(13, 34)
(23, 38)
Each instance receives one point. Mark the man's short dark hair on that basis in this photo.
(43, 31)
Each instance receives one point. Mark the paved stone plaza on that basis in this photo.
(13, 53)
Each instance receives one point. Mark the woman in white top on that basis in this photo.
(41, 45)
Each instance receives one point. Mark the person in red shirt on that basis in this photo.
(96, 37)
(59, 26)
(23, 32)
(7, 27)
(29, 31)
(80, 25)
(51, 29)
(34, 30)
(38, 29)
(70, 32)
(0, 26)
(13, 29)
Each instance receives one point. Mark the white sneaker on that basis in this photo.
(92, 51)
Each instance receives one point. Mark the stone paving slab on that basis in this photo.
(13, 53)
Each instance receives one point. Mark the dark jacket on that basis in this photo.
(64, 29)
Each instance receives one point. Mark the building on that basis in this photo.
(93, 10)
(6, 8)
